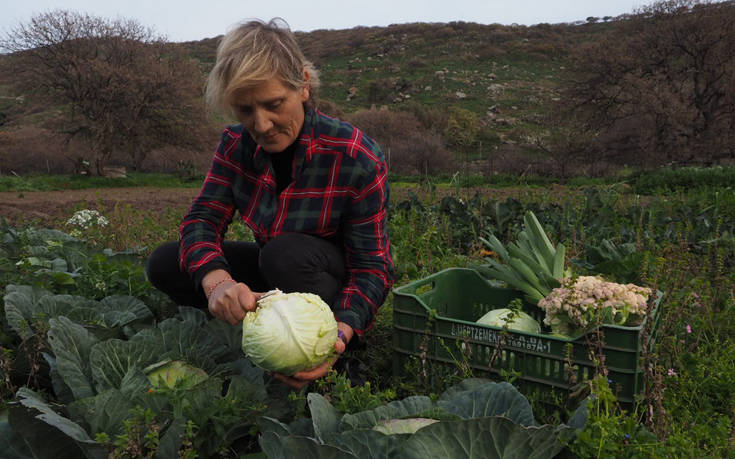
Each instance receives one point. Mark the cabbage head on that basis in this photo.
(289, 332)
(521, 322)
(175, 374)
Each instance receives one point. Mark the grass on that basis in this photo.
(45, 182)
(55, 182)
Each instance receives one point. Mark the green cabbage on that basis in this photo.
(289, 332)
(175, 374)
(520, 321)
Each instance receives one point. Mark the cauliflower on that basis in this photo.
(584, 300)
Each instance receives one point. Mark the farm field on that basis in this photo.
(80, 325)
(52, 206)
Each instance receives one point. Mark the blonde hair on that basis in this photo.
(252, 53)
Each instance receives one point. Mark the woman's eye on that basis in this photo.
(274, 105)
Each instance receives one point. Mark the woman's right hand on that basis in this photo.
(230, 300)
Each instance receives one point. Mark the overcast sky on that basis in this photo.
(184, 20)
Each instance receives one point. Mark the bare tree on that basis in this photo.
(658, 87)
(120, 88)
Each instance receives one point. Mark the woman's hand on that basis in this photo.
(300, 379)
(228, 299)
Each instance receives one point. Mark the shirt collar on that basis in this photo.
(305, 140)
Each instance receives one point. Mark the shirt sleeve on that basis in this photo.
(203, 228)
(370, 271)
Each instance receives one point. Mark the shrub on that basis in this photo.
(684, 178)
(31, 150)
(409, 148)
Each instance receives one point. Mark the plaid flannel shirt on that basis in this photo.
(339, 191)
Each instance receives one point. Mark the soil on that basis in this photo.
(19, 207)
(48, 206)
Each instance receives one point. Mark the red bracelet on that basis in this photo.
(217, 284)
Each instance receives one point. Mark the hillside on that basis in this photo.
(481, 98)
(504, 74)
(429, 63)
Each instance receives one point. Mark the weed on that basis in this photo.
(352, 399)
(140, 438)
(610, 432)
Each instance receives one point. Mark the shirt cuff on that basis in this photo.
(350, 318)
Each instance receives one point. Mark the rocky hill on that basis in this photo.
(502, 73)
(446, 93)
(505, 75)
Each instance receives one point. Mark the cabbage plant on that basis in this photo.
(515, 320)
(476, 418)
(403, 426)
(175, 374)
(98, 382)
(289, 332)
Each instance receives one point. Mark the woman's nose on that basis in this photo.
(262, 122)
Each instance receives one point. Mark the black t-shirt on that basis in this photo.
(282, 163)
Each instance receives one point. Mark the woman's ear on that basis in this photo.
(305, 88)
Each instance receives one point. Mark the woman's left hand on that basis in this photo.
(302, 378)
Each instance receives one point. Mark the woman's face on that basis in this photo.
(272, 112)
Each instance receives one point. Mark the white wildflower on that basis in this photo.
(86, 218)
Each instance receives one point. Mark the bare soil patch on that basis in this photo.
(49, 206)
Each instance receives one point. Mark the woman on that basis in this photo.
(313, 190)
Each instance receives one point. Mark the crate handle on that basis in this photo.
(427, 286)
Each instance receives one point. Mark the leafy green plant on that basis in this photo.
(610, 432)
(347, 398)
(65, 264)
(669, 179)
(618, 262)
(484, 417)
(422, 237)
(110, 273)
(100, 379)
(532, 264)
(141, 436)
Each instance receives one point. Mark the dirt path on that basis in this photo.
(47, 206)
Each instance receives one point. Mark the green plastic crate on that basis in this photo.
(459, 296)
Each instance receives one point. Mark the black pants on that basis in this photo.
(291, 262)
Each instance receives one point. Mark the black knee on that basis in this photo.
(162, 263)
(162, 270)
(302, 263)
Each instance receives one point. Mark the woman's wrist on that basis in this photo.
(217, 284)
(212, 280)
(344, 332)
